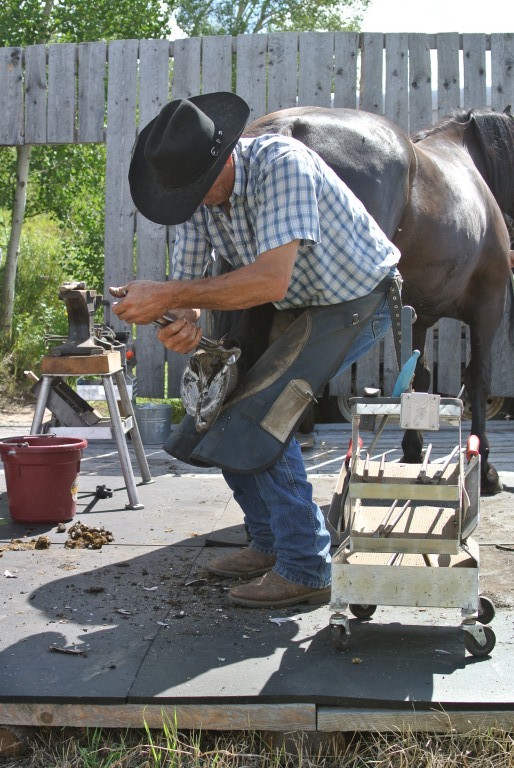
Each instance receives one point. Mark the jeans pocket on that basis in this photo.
(381, 320)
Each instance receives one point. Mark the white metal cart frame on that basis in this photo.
(406, 536)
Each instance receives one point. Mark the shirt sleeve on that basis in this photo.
(287, 201)
(191, 253)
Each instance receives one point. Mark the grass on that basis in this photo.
(170, 748)
(177, 406)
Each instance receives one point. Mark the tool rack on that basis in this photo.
(406, 535)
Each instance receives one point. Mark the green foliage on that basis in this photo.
(27, 22)
(178, 411)
(37, 310)
(96, 753)
(222, 17)
(68, 183)
(167, 746)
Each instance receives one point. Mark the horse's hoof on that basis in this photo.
(406, 459)
(490, 484)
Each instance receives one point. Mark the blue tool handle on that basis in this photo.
(406, 375)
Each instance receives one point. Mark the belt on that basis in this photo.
(394, 299)
(393, 287)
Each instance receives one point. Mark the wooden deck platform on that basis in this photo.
(139, 630)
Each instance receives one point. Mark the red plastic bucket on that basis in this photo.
(41, 474)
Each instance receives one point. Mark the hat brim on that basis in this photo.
(174, 205)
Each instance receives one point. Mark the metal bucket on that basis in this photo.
(154, 422)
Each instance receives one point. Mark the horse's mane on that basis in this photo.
(457, 116)
(489, 137)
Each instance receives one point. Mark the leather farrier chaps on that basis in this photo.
(257, 421)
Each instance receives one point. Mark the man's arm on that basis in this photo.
(143, 301)
(267, 279)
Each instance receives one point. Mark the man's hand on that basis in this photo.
(182, 335)
(142, 301)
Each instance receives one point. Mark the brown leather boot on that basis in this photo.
(273, 591)
(246, 563)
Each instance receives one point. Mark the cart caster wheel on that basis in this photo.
(475, 648)
(340, 637)
(486, 610)
(363, 612)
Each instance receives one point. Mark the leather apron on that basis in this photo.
(257, 421)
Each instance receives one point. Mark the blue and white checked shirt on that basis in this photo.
(283, 191)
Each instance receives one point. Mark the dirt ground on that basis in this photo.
(11, 415)
(17, 413)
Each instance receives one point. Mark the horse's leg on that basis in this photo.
(412, 443)
(477, 378)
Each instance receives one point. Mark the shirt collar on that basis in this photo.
(241, 177)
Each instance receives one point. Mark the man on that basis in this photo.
(295, 236)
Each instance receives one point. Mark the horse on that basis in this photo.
(443, 196)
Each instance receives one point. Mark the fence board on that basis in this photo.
(216, 64)
(272, 72)
(368, 370)
(175, 361)
(420, 83)
(315, 69)
(502, 384)
(121, 132)
(91, 92)
(282, 71)
(371, 99)
(390, 372)
(430, 355)
(185, 82)
(35, 94)
(502, 71)
(449, 353)
(396, 102)
(251, 72)
(372, 70)
(186, 68)
(448, 83)
(341, 386)
(449, 356)
(151, 238)
(11, 97)
(346, 54)
(61, 94)
(474, 61)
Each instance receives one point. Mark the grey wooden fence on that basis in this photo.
(98, 92)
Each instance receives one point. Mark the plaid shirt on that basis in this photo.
(283, 191)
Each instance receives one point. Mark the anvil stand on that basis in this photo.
(101, 362)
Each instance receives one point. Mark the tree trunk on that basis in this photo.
(11, 260)
(18, 214)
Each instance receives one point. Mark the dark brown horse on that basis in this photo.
(441, 198)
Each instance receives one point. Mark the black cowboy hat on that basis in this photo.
(180, 153)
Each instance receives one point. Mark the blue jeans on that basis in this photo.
(283, 519)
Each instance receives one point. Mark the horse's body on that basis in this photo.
(441, 198)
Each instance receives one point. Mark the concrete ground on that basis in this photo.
(141, 622)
